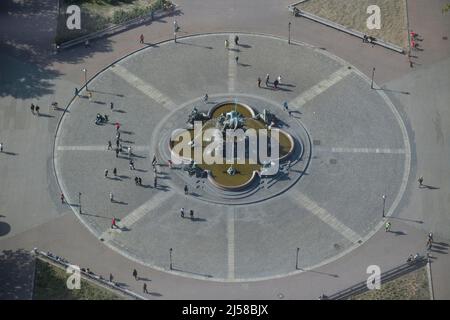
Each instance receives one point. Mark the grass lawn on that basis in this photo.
(352, 14)
(412, 286)
(50, 284)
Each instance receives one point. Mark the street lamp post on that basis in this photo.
(373, 74)
(384, 203)
(79, 202)
(85, 79)
(170, 255)
(296, 259)
(289, 34)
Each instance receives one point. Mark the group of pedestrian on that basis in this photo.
(276, 82)
(191, 213)
(137, 278)
(35, 108)
(138, 181)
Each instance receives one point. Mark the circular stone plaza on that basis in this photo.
(314, 217)
(354, 148)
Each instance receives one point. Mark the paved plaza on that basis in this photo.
(312, 228)
(356, 147)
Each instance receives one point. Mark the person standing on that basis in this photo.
(237, 59)
(117, 152)
(387, 227)
(182, 212)
(111, 278)
(62, 198)
(1, 146)
(286, 107)
(113, 223)
(32, 108)
(205, 98)
(106, 173)
(279, 79)
(275, 84)
(109, 145)
(420, 180)
(135, 274)
(37, 110)
(115, 172)
(111, 105)
(141, 38)
(267, 80)
(227, 44)
(191, 213)
(259, 82)
(185, 189)
(155, 182)
(111, 197)
(144, 288)
(236, 40)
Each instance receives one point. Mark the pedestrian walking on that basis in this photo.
(86, 43)
(131, 164)
(191, 213)
(113, 223)
(185, 189)
(141, 38)
(144, 288)
(62, 198)
(136, 180)
(76, 92)
(37, 110)
(109, 145)
(129, 152)
(259, 82)
(236, 40)
(155, 182)
(182, 212)
(154, 161)
(227, 44)
(430, 236)
(279, 79)
(170, 164)
(387, 227)
(1, 146)
(267, 80)
(111, 278)
(106, 173)
(205, 98)
(176, 27)
(111, 197)
(89, 95)
(117, 152)
(420, 180)
(32, 108)
(288, 167)
(117, 126)
(118, 135)
(140, 181)
(111, 105)
(115, 172)
(135, 274)
(237, 59)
